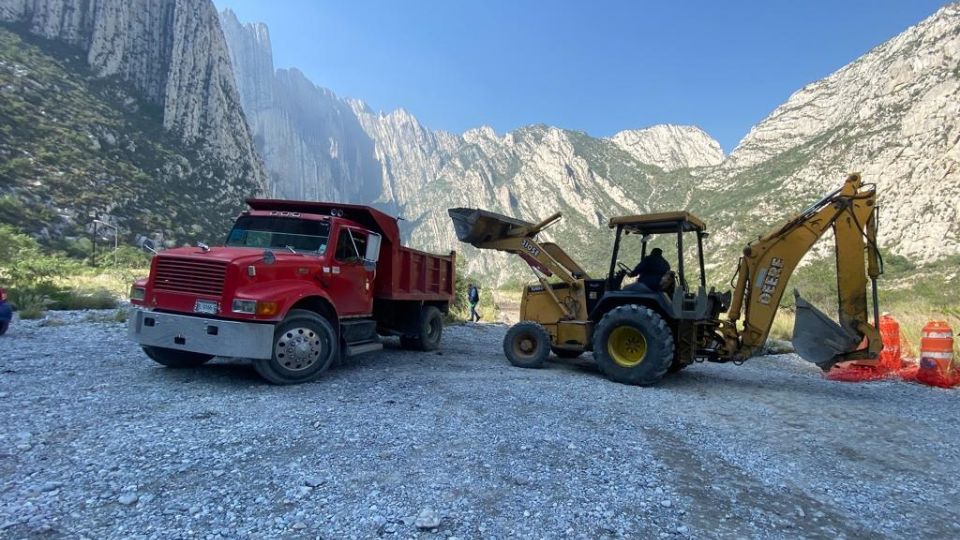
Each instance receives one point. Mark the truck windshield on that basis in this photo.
(280, 232)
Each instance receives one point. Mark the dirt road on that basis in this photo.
(98, 441)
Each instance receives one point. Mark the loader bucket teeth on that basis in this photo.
(818, 339)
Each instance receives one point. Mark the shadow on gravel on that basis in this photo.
(228, 372)
(726, 379)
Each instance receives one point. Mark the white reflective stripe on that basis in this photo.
(936, 355)
(938, 335)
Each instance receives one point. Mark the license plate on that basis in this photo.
(206, 306)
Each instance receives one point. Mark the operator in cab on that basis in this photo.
(650, 270)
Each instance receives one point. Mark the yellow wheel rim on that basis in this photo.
(627, 346)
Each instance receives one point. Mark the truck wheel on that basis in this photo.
(565, 353)
(430, 327)
(173, 358)
(526, 345)
(633, 345)
(304, 346)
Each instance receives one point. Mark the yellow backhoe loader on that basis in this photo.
(638, 333)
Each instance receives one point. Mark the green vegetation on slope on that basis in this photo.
(38, 279)
(74, 146)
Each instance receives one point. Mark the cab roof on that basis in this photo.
(664, 222)
(365, 216)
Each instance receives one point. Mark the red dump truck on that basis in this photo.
(296, 286)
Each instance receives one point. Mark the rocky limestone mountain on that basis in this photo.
(893, 114)
(312, 141)
(671, 147)
(143, 61)
(313, 150)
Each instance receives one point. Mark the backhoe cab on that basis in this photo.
(638, 333)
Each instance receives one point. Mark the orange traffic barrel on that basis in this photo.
(890, 356)
(936, 348)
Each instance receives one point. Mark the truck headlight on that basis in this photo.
(138, 293)
(244, 306)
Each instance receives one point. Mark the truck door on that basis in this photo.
(352, 281)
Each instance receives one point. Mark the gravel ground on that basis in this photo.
(99, 442)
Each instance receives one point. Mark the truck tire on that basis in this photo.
(527, 345)
(304, 346)
(566, 353)
(173, 358)
(430, 328)
(633, 345)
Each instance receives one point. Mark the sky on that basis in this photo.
(595, 66)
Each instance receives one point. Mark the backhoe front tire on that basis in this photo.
(527, 345)
(633, 345)
(175, 359)
(304, 346)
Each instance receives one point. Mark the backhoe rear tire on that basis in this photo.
(633, 345)
(526, 345)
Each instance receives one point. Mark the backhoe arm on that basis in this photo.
(768, 263)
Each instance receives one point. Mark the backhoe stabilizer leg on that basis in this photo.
(819, 339)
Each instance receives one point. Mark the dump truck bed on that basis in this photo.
(409, 274)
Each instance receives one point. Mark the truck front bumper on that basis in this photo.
(201, 335)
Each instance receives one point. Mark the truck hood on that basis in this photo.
(235, 255)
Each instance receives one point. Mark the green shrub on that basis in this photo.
(30, 305)
(79, 299)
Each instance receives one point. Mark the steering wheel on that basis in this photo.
(623, 267)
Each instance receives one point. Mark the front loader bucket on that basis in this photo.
(475, 226)
(818, 339)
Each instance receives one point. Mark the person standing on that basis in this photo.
(473, 296)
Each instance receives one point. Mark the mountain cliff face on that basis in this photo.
(130, 66)
(313, 149)
(893, 114)
(312, 141)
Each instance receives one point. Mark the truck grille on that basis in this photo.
(190, 276)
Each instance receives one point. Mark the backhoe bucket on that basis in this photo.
(818, 339)
(475, 226)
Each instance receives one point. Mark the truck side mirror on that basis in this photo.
(373, 248)
(147, 245)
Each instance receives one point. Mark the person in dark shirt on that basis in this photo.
(651, 269)
(473, 296)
